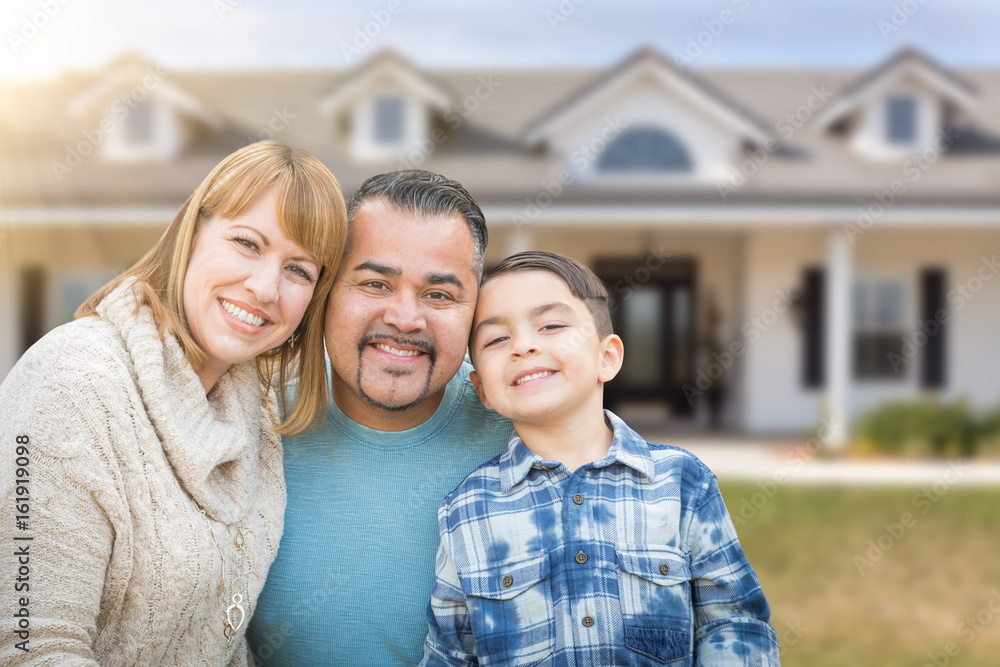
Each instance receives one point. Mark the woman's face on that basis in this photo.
(247, 286)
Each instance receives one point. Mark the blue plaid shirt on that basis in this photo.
(630, 560)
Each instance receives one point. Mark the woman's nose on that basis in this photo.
(263, 280)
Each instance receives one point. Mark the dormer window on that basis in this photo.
(388, 120)
(152, 130)
(647, 150)
(901, 119)
(139, 125)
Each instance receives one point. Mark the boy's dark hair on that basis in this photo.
(424, 193)
(582, 282)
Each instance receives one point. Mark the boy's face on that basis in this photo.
(536, 350)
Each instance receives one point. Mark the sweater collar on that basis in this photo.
(211, 442)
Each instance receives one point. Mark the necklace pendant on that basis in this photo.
(236, 606)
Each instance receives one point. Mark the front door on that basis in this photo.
(654, 313)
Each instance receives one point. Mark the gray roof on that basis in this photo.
(487, 152)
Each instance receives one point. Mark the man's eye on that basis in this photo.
(376, 285)
(439, 296)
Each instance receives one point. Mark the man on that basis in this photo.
(355, 568)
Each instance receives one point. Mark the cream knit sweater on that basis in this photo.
(123, 442)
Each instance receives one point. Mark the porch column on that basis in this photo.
(838, 359)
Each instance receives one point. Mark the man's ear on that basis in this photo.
(478, 384)
(612, 353)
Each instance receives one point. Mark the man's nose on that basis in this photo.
(403, 311)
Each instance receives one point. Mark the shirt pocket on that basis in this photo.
(510, 608)
(654, 588)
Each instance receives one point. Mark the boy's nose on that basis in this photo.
(523, 348)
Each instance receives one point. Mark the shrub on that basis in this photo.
(925, 428)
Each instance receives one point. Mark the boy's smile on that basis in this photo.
(536, 350)
(533, 375)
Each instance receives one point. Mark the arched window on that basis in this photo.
(645, 149)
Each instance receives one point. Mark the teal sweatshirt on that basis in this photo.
(355, 568)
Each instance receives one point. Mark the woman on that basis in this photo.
(142, 473)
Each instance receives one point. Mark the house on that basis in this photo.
(783, 248)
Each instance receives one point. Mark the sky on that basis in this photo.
(44, 38)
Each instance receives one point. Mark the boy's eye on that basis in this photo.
(549, 327)
(494, 340)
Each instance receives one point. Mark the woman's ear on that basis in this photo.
(612, 353)
(478, 384)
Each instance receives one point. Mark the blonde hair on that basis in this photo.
(311, 212)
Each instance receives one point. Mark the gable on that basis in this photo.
(139, 113)
(646, 128)
(648, 68)
(900, 108)
(658, 122)
(908, 69)
(384, 108)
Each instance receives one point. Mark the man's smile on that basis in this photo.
(397, 352)
(395, 348)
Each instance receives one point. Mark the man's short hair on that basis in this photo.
(423, 193)
(582, 282)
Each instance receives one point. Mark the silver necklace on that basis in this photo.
(233, 612)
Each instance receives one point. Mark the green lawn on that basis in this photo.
(841, 601)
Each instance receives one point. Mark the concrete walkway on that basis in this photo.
(796, 462)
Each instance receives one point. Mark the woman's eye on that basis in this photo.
(302, 273)
(246, 243)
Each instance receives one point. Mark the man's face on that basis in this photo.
(399, 315)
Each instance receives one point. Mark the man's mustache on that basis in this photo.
(400, 341)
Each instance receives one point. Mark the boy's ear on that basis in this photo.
(612, 353)
(478, 384)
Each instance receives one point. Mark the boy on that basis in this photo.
(582, 544)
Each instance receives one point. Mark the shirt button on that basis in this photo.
(578, 499)
(664, 569)
(507, 581)
(587, 621)
(543, 468)
(581, 558)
